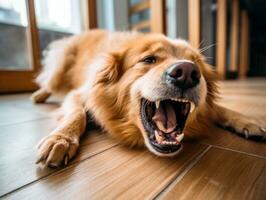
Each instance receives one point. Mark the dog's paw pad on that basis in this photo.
(56, 150)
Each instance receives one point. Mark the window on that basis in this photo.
(13, 35)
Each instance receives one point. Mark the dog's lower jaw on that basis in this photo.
(152, 150)
(146, 143)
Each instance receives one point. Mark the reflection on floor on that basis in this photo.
(221, 167)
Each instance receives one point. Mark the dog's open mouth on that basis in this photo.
(164, 122)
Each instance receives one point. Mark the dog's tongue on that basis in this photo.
(165, 117)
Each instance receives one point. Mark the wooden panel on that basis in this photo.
(90, 10)
(222, 175)
(18, 152)
(17, 81)
(228, 140)
(232, 169)
(139, 7)
(245, 83)
(221, 38)
(33, 37)
(246, 97)
(194, 22)
(246, 104)
(234, 36)
(158, 16)
(141, 25)
(118, 173)
(244, 45)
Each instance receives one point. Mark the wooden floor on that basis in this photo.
(221, 167)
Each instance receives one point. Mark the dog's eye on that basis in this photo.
(149, 60)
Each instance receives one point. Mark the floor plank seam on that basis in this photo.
(237, 151)
(44, 113)
(22, 122)
(56, 172)
(181, 175)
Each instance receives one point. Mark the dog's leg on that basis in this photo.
(62, 144)
(240, 124)
(40, 95)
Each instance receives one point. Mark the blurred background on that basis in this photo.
(230, 33)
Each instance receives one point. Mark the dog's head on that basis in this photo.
(151, 87)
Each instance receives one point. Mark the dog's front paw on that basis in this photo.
(56, 149)
(40, 96)
(249, 129)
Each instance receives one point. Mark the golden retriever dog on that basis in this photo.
(142, 89)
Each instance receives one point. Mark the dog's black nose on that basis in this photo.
(183, 75)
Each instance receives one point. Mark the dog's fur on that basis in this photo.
(100, 72)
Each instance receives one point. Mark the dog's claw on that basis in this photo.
(263, 129)
(246, 132)
(38, 160)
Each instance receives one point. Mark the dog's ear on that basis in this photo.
(113, 70)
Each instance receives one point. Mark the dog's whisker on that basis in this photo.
(202, 41)
(206, 48)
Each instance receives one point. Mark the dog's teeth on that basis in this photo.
(192, 107)
(168, 142)
(263, 129)
(159, 138)
(180, 137)
(165, 142)
(157, 103)
(187, 108)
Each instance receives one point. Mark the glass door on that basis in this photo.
(57, 19)
(27, 27)
(13, 36)
(18, 52)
